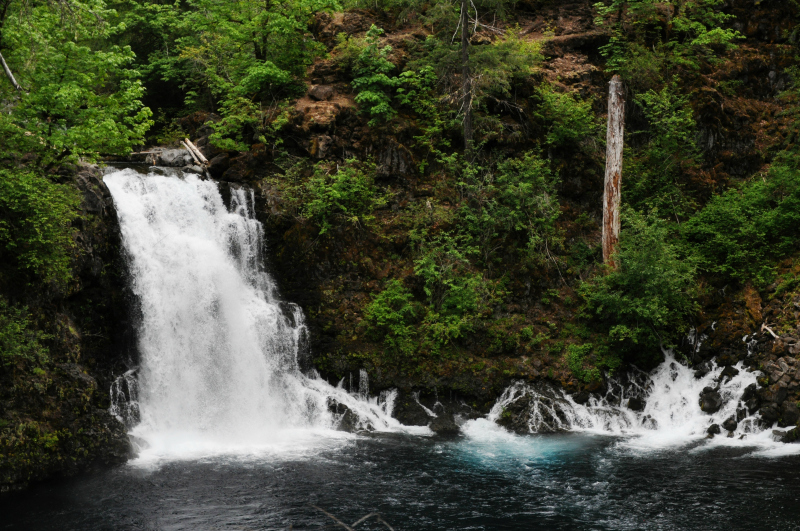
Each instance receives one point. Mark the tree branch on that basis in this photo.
(9, 75)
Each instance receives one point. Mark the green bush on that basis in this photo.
(741, 233)
(19, 339)
(35, 226)
(372, 81)
(645, 303)
(347, 194)
(653, 174)
(455, 293)
(567, 119)
(390, 317)
(519, 198)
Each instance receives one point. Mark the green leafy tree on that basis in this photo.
(647, 301)
(675, 33)
(518, 199)
(239, 58)
(78, 95)
(35, 226)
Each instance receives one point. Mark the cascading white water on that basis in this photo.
(671, 415)
(218, 349)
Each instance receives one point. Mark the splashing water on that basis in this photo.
(670, 412)
(218, 349)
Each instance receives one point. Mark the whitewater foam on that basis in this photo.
(219, 349)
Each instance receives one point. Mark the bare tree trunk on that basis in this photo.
(613, 182)
(9, 74)
(466, 81)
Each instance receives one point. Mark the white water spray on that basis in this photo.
(218, 349)
(671, 415)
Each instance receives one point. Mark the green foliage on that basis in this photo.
(417, 91)
(372, 81)
(568, 119)
(35, 230)
(237, 57)
(455, 293)
(646, 301)
(347, 194)
(81, 97)
(390, 317)
(19, 338)
(652, 178)
(741, 233)
(678, 33)
(519, 198)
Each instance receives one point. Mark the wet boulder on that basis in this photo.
(444, 424)
(730, 424)
(790, 436)
(175, 158)
(702, 369)
(789, 414)
(728, 373)
(714, 429)
(636, 404)
(770, 413)
(218, 165)
(710, 400)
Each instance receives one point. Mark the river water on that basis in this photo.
(231, 434)
(486, 480)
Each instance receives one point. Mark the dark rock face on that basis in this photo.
(409, 412)
(322, 92)
(218, 165)
(636, 404)
(346, 420)
(710, 400)
(713, 430)
(789, 414)
(56, 422)
(730, 424)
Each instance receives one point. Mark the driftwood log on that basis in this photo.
(613, 180)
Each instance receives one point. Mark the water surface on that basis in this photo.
(493, 481)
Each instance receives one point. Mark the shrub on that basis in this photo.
(454, 292)
(372, 81)
(390, 316)
(35, 225)
(741, 233)
(519, 198)
(347, 194)
(19, 340)
(567, 119)
(645, 303)
(653, 175)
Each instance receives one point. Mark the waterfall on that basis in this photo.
(656, 410)
(218, 348)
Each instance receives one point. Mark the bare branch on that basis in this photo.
(9, 75)
(333, 517)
